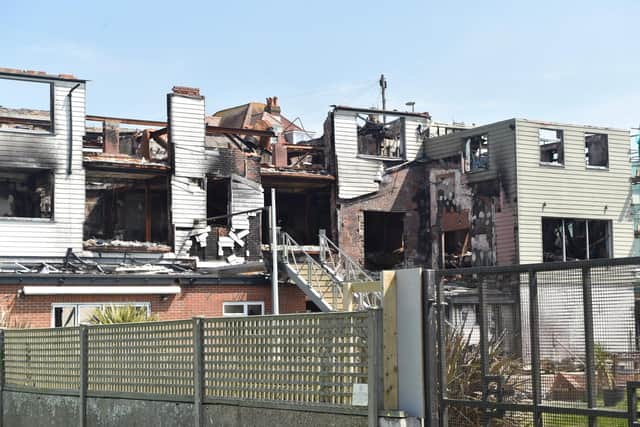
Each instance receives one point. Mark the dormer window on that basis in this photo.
(477, 153)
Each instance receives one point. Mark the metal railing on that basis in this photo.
(312, 362)
(323, 282)
(543, 344)
(345, 269)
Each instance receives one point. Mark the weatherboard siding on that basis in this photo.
(572, 190)
(45, 237)
(357, 174)
(188, 194)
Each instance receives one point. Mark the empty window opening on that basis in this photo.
(477, 153)
(381, 139)
(457, 249)
(124, 139)
(301, 212)
(72, 314)
(243, 308)
(26, 193)
(126, 213)
(26, 106)
(551, 146)
(218, 197)
(596, 150)
(575, 239)
(383, 240)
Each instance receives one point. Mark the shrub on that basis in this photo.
(120, 314)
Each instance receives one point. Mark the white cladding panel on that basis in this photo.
(572, 190)
(188, 195)
(357, 174)
(245, 195)
(44, 237)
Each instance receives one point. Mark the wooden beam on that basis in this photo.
(151, 123)
(390, 339)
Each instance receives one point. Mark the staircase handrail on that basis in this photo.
(290, 247)
(353, 271)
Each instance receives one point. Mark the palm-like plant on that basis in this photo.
(464, 374)
(120, 314)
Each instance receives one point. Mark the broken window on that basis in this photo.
(218, 196)
(381, 139)
(457, 249)
(26, 193)
(126, 213)
(596, 150)
(383, 240)
(551, 146)
(302, 212)
(477, 153)
(26, 106)
(575, 239)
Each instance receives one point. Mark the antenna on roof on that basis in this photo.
(383, 89)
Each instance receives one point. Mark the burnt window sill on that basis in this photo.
(28, 131)
(383, 158)
(26, 219)
(552, 165)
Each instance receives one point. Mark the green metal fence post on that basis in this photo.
(84, 375)
(198, 371)
(374, 357)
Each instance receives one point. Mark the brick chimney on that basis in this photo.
(272, 106)
(185, 90)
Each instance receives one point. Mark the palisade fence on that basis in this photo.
(318, 362)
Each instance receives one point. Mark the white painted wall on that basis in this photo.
(45, 237)
(188, 194)
(357, 174)
(573, 190)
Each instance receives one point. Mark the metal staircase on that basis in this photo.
(323, 280)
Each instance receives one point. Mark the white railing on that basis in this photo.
(345, 269)
(308, 269)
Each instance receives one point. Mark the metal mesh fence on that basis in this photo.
(42, 359)
(311, 359)
(542, 345)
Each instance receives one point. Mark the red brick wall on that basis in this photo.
(402, 191)
(193, 301)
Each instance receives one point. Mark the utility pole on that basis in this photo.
(383, 89)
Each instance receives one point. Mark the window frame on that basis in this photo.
(52, 178)
(245, 305)
(586, 156)
(609, 242)
(402, 142)
(52, 104)
(561, 162)
(467, 154)
(102, 305)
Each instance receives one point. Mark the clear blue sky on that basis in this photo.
(472, 61)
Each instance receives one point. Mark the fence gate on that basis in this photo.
(552, 344)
